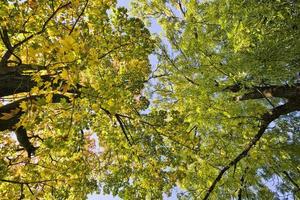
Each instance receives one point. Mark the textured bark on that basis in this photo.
(24, 141)
(8, 108)
(14, 83)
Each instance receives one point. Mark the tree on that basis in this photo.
(230, 69)
(223, 118)
(69, 69)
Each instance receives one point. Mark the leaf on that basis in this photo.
(35, 90)
(23, 105)
(49, 98)
(64, 74)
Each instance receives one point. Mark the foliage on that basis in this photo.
(77, 116)
(223, 72)
(68, 68)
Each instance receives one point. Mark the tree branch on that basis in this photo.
(78, 18)
(123, 128)
(175, 67)
(16, 112)
(242, 180)
(112, 50)
(292, 180)
(14, 83)
(280, 91)
(22, 195)
(5, 39)
(27, 182)
(24, 141)
(267, 118)
(11, 107)
(181, 7)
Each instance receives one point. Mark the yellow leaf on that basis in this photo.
(95, 107)
(64, 74)
(49, 98)
(56, 80)
(23, 105)
(35, 90)
(67, 43)
(65, 87)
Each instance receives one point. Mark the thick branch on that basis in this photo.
(267, 118)
(5, 39)
(280, 91)
(24, 141)
(15, 83)
(9, 108)
(21, 133)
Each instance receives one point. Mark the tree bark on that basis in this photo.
(280, 91)
(24, 141)
(14, 83)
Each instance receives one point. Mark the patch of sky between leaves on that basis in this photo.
(156, 30)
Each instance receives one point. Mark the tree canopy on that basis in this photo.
(82, 109)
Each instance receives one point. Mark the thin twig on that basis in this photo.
(174, 65)
(78, 18)
(123, 128)
(181, 7)
(22, 195)
(292, 180)
(268, 100)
